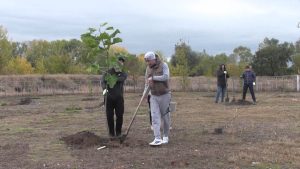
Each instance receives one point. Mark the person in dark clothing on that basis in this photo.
(114, 99)
(222, 76)
(249, 80)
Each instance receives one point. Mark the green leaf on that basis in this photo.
(111, 80)
(105, 23)
(110, 28)
(92, 30)
(115, 33)
(104, 35)
(117, 40)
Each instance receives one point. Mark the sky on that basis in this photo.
(216, 26)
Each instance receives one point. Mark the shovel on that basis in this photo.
(123, 137)
(233, 88)
(227, 98)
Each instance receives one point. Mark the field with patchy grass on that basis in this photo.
(65, 131)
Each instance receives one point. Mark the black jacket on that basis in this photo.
(221, 78)
(118, 89)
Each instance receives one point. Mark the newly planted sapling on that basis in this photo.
(100, 42)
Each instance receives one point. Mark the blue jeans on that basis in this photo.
(220, 91)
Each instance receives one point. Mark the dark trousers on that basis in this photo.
(115, 106)
(245, 88)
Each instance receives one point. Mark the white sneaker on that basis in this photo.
(151, 127)
(156, 142)
(165, 140)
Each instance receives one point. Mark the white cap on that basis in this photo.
(149, 56)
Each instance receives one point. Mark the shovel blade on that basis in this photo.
(226, 99)
(122, 138)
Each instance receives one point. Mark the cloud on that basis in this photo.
(215, 25)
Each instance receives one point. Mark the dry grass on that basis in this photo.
(266, 135)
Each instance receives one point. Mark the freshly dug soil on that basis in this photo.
(83, 139)
(240, 102)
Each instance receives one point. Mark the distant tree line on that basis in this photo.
(76, 57)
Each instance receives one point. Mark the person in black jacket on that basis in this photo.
(222, 76)
(249, 81)
(115, 99)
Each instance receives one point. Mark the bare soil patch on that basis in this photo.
(25, 101)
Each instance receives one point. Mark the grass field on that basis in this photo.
(261, 136)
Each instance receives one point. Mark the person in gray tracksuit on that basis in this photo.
(157, 79)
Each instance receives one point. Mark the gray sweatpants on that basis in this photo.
(160, 112)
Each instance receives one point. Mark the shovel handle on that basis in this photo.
(136, 110)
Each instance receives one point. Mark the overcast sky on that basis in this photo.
(214, 25)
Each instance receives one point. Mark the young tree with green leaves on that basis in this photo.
(99, 42)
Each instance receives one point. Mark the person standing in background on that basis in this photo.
(249, 81)
(222, 76)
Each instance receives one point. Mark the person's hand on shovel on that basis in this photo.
(150, 83)
(145, 100)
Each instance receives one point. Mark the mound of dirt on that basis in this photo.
(240, 102)
(83, 139)
(25, 101)
(89, 99)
